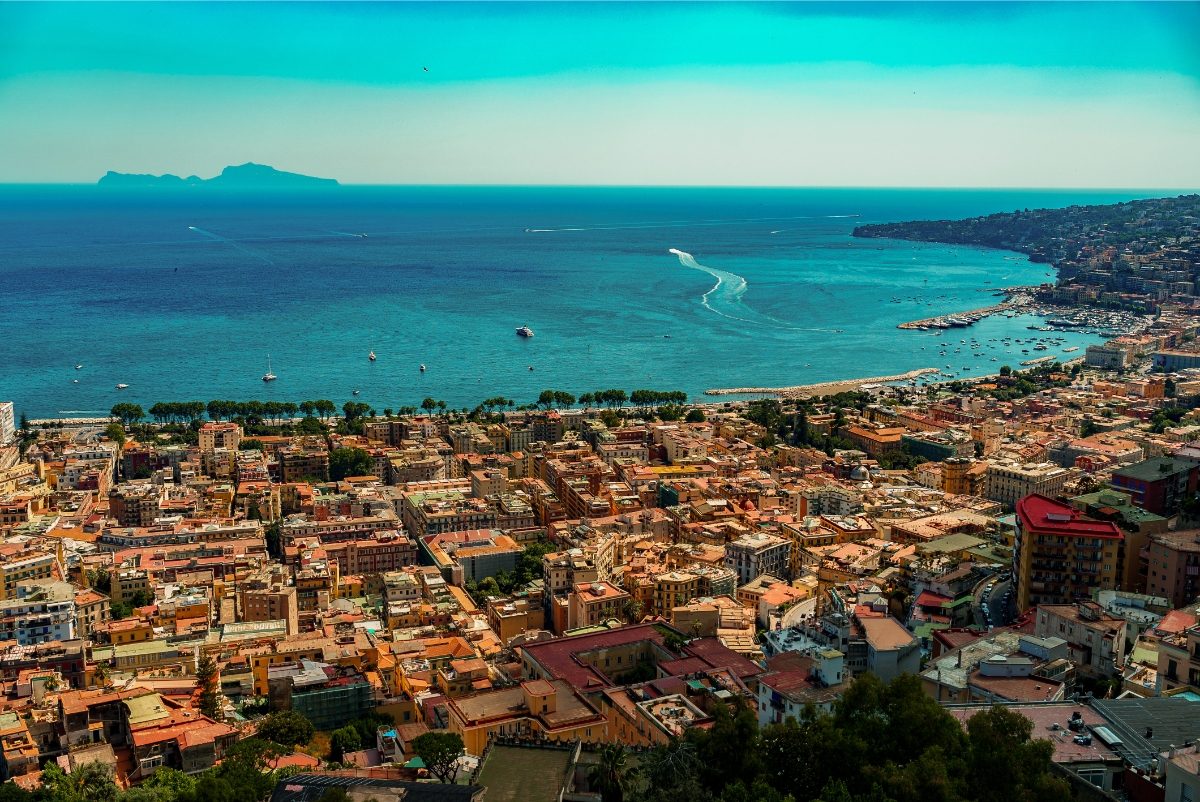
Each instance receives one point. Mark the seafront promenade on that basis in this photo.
(820, 388)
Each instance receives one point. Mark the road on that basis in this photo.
(1000, 611)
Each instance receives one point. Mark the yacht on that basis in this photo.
(122, 386)
(371, 356)
(356, 392)
(524, 331)
(269, 376)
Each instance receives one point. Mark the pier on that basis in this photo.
(1017, 299)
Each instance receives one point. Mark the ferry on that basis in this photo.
(524, 331)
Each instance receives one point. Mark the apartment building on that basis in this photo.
(1008, 481)
(1173, 566)
(220, 434)
(752, 555)
(1160, 484)
(40, 612)
(593, 603)
(1060, 555)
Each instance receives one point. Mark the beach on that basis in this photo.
(821, 388)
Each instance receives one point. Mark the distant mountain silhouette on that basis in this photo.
(242, 176)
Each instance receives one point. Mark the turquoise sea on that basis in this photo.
(183, 295)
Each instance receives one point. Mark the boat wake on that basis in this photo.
(205, 233)
(725, 297)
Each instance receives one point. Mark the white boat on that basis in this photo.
(74, 381)
(78, 367)
(371, 356)
(524, 331)
(122, 386)
(269, 376)
(422, 367)
(356, 392)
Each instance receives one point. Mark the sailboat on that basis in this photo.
(269, 376)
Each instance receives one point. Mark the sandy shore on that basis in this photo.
(821, 388)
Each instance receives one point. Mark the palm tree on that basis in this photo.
(612, 774)
(633, 610)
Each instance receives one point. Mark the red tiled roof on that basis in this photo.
(930, 599)
(557, 656)
(1045, 515)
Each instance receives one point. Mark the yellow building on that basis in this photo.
(538, 708)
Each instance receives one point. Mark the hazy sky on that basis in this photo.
(940, 94)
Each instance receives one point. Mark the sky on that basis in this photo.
(811, 94)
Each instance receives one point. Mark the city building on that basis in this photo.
(1160, 484)
(751, 556)
(1060, 555)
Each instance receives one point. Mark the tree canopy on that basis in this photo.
(883, 743)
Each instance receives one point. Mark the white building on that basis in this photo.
(751, 556)
(1009, 481)
(41, 612)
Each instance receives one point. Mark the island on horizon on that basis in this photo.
(241, 176)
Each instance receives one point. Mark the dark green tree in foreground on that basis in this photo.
(881, 743)
(440, 752)
(611, 775)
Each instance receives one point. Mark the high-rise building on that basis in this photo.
(1061, 555)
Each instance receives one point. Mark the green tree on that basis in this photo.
(91, 782)
(128, 414)
(206, 681)
(286, 727)
(695, 416)
(611, 775)
(116, 433)
(169, 784)
(345, 462)
(440, 752)
(342, 741)
(1004, 764)
(274, 538)
(251, 444)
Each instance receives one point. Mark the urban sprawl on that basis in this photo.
(970, 589)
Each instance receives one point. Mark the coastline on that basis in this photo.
(821, 388)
